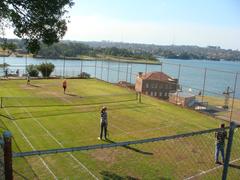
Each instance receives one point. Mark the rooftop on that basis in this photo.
(160, 76)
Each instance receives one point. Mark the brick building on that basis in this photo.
(156, 84)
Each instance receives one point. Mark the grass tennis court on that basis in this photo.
(41, 117)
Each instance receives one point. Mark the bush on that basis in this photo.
(4, 65)
(84, 75)
(46, 69)
(32, 70)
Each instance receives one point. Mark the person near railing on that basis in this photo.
(220, 136)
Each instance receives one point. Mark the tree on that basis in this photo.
(32, 70)
(84, 75)
(36, 21)
(46, 69)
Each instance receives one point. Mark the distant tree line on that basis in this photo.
(71, 49)
(182, 55)
(175, 51)
(74, 49)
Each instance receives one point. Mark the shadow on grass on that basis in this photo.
(131, 148)
(234, 166)
(20, 175)
(73, 95)
(33, 85)
(109, 175)
(6, 116)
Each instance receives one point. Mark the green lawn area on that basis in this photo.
(42, 117)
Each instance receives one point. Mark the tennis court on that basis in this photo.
(41, 117)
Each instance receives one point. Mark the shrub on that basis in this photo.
(32, 70)
(46, 69)
(4, 65)
(84, 75)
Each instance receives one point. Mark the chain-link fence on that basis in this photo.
(1, 161)
(183, 156)
(218, 90)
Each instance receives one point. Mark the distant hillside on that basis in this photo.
(176, 52)
(133, 50)
(77, 50)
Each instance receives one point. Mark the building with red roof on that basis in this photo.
(157, 84)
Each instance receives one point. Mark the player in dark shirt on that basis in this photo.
(220, 135)
(103, 123)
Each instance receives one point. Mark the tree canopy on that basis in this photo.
(36, 21)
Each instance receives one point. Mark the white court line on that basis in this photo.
(30, 144)
(59, 143)
(116, 127)
(210, 170)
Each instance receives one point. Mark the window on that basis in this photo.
(155, 93)
(147, 85)
(156, 85)
(153, 85)
(151, 94)
(160, 94)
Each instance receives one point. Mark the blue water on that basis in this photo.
(191, 73)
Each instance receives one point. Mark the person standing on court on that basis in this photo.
(103, 123)
(220, 136)
(64, 85)
(28, 79)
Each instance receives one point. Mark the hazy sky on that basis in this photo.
(163, 22)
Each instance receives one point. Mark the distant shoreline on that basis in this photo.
(91, 58)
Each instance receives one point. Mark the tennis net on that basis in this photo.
(68, 100)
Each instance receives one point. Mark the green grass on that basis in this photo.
(77, 124)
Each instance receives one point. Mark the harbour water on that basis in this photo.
(195, 75)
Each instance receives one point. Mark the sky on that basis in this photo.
(161, 22)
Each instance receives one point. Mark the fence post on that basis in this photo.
(131, 74)
(95, 68)
(228, 151)
(64, 67)
(118, 70)
(25, 64)
(108, 72)
(1, 102)
(101, 69)
(179, 72)
(7, 148)
(234, 93)
(161, 66)
(127, 73)
(81, 67)
(204, 82)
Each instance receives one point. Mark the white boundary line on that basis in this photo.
(59, 143)
(116, 127)
(30, 144)
(71, 155)
(209, 170)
